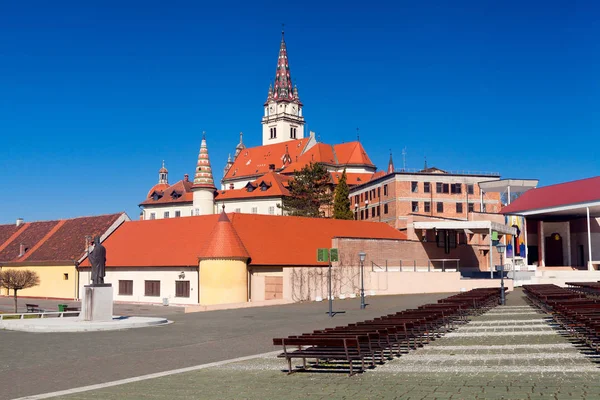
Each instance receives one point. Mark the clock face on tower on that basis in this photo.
(293, 109)
(271, 108)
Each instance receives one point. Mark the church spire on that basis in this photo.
(283, 81)
(203, 177)
(390, 168)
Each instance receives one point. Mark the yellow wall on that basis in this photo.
(223, 282)
(52, 282)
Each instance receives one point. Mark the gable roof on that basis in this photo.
(351, 153)
(176, 242)
(563, 194)
(255, 161)
(55, 241)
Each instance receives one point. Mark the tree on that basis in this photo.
(310, 192)
(341, 202)
(16, 280)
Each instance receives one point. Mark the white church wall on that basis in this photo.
(159, 212)
(266, 206)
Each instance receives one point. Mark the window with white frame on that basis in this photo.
(271, 210)
(254, 210)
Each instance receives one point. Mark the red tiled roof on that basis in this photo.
(276, 187)
(29, 237)
(59, 241)
(352, 178)
(562, 194)
(256, 160)
(351, 153)
(269, 240)
(319, 153)
(183, 187)
(6, 231)
(158, 188)
(224, 242)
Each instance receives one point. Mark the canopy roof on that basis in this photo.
(467, 226)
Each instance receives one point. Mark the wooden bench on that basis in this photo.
(33, 308)
(321, 348)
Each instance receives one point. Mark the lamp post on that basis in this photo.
(362, 255)
(500, 247)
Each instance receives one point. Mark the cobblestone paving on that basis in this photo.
(517, 354)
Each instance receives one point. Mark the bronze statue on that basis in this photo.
(98, 261)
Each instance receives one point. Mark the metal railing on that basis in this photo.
(461, 172)
(43, 314)
(428, 265)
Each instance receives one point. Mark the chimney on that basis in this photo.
(20, 221)
(186, 178)
(141, 215)
(21, 250)
(271, 167)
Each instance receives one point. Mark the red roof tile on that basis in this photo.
(59, 241)
(183, 189)
(224, 242)
(562, 194)
(255, 161)
(269, 240)
(6, 231)
(276, 186)
(352, 178)
(351, 153)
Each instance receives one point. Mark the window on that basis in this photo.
(152, 215)
(426, 187)
(125, 288)
(238, 210)
(456, 188)
(192, 213)
(361, 197)
(356, 199)
(414, 187)
(440, 207)
(385, 208)
(271, 210)
(379, 192)
(471, 207)
(166, 215)
(264, 188)
(292, 133)
(362, 214)
(355, 215)
(254, 210)
(427, 206)
(446, 188)
(273, 133)
(470, 189)
(415, 206)
(459, 208)
(152, 288)
(177, 214)
(65, 277)
(484, 209)
(373, 212)
(378, 209)
(385, 190)
(182, 288)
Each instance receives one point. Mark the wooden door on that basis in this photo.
(273, 287)
(554, 250)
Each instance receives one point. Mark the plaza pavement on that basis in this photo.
(511, 352)
(33, 363)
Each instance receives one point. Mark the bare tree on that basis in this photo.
(18, 279)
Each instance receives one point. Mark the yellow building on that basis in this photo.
(52, 249)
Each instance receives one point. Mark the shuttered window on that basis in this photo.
(182, 289)
(152, 288)
(125, 288)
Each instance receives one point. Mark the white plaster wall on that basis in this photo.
(238, 184)
(280, 116)
(167, 277)
(186, 211)
(582, 239)
(204, 202)
(245, 206)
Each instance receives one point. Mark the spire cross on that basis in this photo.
(203, 134)
(357, 135)
(223, 206)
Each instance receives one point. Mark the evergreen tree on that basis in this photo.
(341, 202)
(310, 192)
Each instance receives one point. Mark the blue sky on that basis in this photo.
(95, 94)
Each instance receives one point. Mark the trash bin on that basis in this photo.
(62, 307)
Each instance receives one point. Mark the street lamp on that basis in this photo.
(501, 247)
(362, 255)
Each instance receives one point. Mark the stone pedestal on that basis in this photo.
(97, 303)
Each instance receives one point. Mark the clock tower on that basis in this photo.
(282, 120)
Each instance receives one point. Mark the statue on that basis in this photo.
(98, 261)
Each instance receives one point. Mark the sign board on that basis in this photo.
(334, 255)
(322, 255)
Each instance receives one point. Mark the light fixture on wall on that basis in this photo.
(182, 275)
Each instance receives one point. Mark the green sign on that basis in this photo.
(494, 235)
(322, 255)
(334, 255)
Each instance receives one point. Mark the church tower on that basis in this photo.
(204, 185)
(282, 120)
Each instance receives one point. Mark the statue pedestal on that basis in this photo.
(97, 303)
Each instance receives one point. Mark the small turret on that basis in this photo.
(390, 168)
(163, 174)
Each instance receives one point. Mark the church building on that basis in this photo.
(256, 179)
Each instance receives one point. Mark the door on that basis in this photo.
(554, 250)
(273, 287)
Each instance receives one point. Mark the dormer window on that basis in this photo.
(263, 186)
(175, 195)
